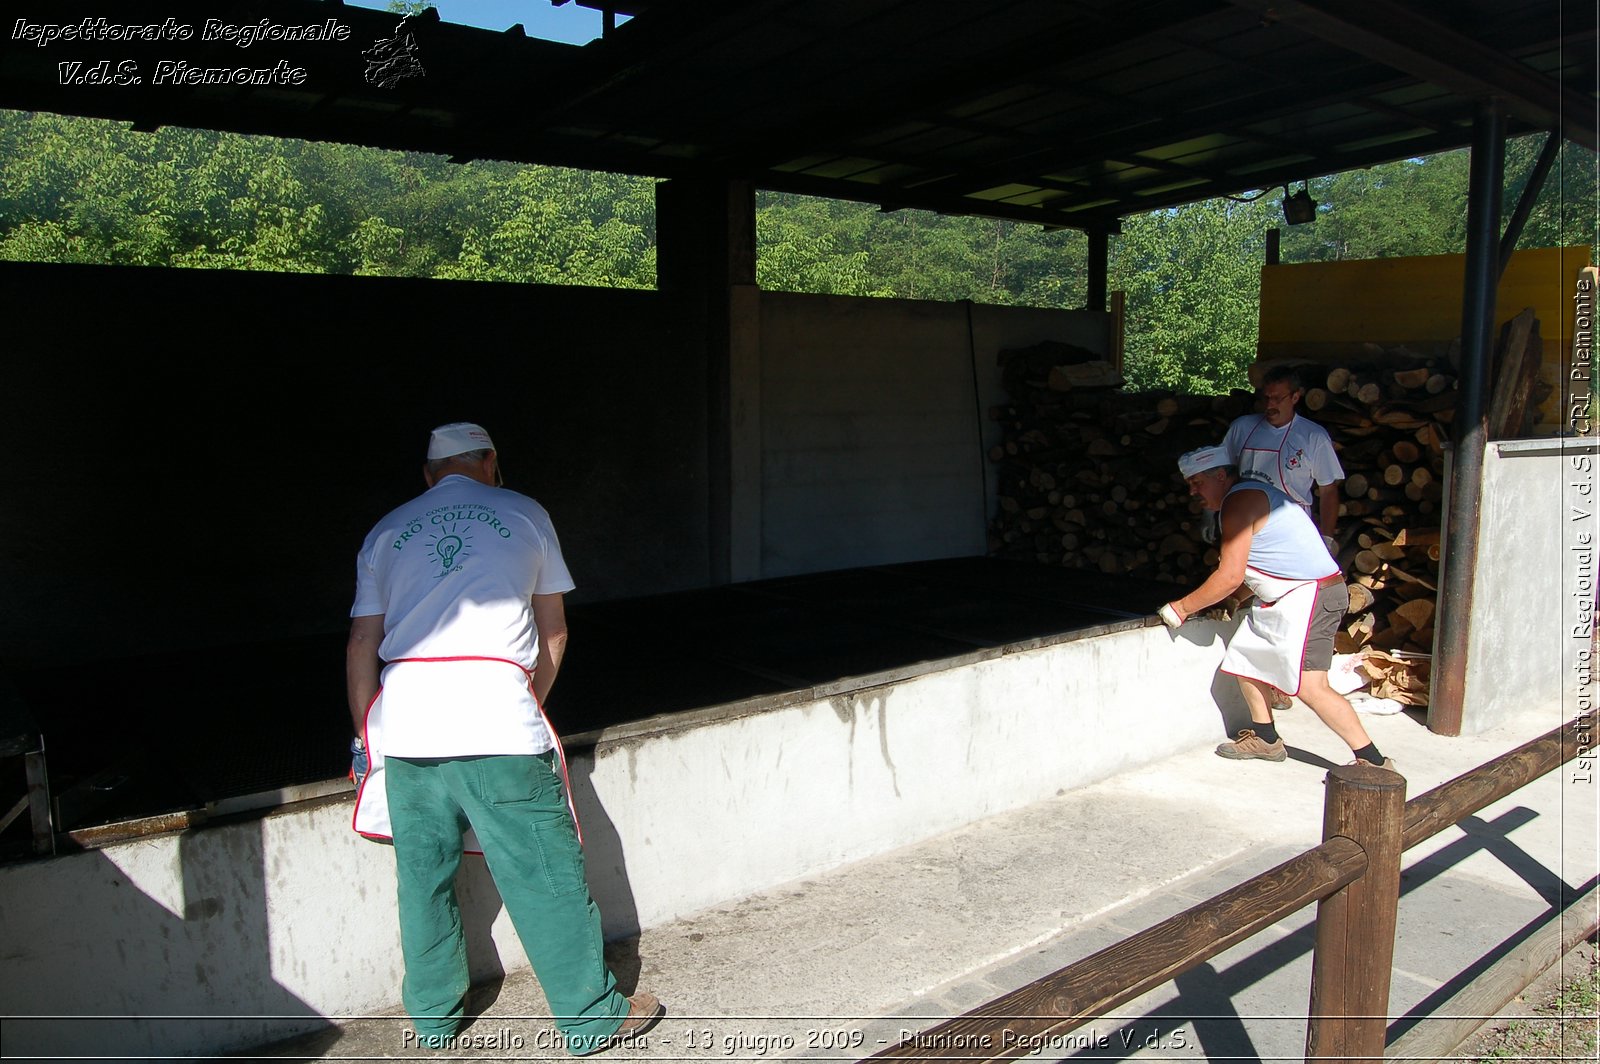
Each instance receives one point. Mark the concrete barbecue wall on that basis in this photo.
(292, 916)
(873, 424)
(1534, 593)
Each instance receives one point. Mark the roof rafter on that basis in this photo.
(1409, 42)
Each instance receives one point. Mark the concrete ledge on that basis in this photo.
(266, 928)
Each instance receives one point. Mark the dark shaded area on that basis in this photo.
(212, 492)
(158, 733)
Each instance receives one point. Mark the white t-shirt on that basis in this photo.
(1291, 458)
(453, 572)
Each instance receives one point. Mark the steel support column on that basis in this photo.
(706, 270)
(1484, 190)
(1099, 268)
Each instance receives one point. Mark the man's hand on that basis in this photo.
(1171, 615)
(1332, 545)
(360, 765)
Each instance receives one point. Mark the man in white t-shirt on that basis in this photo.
(460, 592)
(1289, 452)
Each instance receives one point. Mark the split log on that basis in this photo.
(1518, 359)
(1418, 613)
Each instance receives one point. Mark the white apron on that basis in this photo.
(1270, 642)
(371, 817)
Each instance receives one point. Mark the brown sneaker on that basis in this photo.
(1249, 745)
(1388, 763)
(643, 1012)
(1281, 702)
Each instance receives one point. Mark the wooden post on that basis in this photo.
(1098, 268)
(44, 834)
(1119, 315)
(1348, 1015)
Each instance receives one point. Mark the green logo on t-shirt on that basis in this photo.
(450, 541)
(450, 547)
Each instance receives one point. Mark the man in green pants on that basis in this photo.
(460, 592)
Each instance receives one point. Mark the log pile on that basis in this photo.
(1087, 478)
(1389, 420)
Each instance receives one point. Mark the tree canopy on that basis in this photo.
(91, 191)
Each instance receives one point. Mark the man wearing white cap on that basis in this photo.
(1285, 639)
(1291, 453)
(460, 592)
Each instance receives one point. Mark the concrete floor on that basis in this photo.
(842, 965)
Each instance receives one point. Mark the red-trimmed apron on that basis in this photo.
(1281, 482)
(371, 817)
(1270, 643)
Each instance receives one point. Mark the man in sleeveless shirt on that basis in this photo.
(1291, 453)
(1285, 638)
(460, 592)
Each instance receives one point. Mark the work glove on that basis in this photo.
(1169, 616)
(359, 765)
(1210, 526)
(1332, 545)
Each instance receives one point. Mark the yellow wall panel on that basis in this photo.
(1326, 311)
(1414, 301)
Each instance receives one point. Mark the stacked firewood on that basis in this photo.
(1087, 478)
(1389, 421)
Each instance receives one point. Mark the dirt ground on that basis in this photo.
(1554, 1019)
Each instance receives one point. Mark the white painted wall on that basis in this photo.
(293, 915)
(873, 424)
(1539, 496)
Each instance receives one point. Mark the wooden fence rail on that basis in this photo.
(1447, 804)
(1354, 875)
(1011, 1025)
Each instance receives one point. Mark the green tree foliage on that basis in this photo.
(1566, 212)
(1192, 276)
(1419, 206)
(553, 226)
(1413, 207)
(83, 190)
(815, 245)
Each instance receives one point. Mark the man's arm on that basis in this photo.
(1240, 513)
(1328, 506)
(362, 666)
(550, 618)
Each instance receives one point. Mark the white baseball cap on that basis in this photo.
(1201, 459)
(458, 437)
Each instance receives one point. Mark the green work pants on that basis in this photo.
(517, 806)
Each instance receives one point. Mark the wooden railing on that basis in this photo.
(1354, 876)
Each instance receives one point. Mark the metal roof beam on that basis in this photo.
(1396, 36)
(1259, 106)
